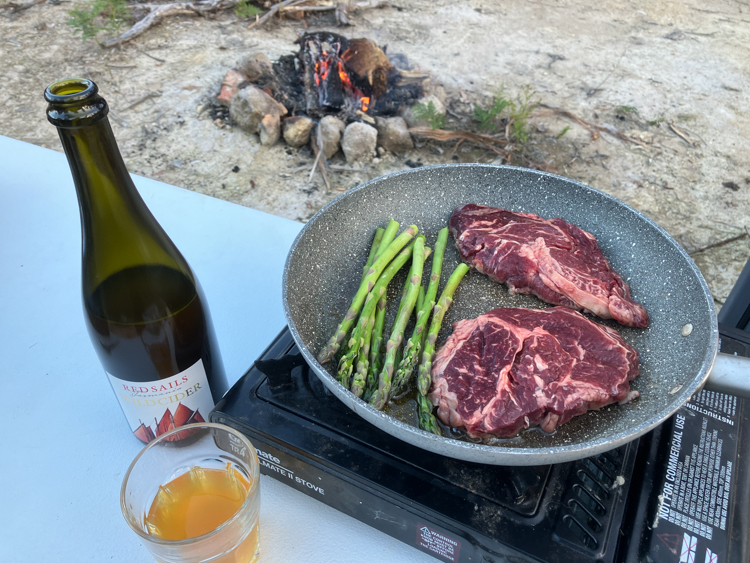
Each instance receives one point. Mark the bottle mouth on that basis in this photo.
(70, 90)
(74, 103)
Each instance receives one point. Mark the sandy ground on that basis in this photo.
(674, 76)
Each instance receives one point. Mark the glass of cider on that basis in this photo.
(193, 496)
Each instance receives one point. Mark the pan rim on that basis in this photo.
(498, 454)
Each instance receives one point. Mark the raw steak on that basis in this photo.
(511, 369)
(552, 259)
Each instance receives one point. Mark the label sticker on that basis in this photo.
(155, 407)
(693, 511)
(438, 543)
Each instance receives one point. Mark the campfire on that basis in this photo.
(332, 87)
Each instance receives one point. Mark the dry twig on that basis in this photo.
(681, 134)
(15, 8)
(721, 243)
(139, 101)
(318, 149)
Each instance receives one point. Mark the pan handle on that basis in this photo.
(730, 374)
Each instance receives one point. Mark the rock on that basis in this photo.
(270, 129)
(258, 68)
(330, 129)
(393, 134)
(229, 86)
(409, 115)
(297, 130)
(359, 142)
(250, 105)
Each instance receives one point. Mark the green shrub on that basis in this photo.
(244, 9)
(99, 15)
(430, 114)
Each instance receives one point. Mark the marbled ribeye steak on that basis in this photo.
(552, 259)
(511, 369)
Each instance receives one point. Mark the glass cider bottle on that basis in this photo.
(144, 308)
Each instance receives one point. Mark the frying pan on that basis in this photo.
(677, 351)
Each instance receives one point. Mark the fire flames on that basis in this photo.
(328, 60)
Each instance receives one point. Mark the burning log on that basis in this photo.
(369, 62)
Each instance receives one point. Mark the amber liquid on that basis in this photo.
(196, 503)
(148, 323)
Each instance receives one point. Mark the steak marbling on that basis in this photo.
(511, 369)
(552, 259)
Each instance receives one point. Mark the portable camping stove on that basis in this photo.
(677, 494)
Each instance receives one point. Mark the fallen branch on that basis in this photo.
(341, 9)
(487, 141)
(157, 12)
(592, 127)
(274, 9)
(347, 6)
(446, 135)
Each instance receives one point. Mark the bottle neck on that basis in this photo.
(118, 230)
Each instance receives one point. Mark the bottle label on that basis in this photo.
(155, 407)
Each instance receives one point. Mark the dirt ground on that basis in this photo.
(672, 75)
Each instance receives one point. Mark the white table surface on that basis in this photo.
(65, 445)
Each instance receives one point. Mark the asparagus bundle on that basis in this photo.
(375, 363)
(358, 334)
(426, 418)
(371, 276)
(377, 378)
(414, 344)
(382, 393)
(381, 240)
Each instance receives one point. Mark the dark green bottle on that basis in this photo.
(144, 308)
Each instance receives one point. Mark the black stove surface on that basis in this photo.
(598, 509)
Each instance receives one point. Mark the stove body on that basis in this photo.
(675, 494)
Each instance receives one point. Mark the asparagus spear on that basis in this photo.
(382, 393)
(367, 284)
(414, 345)
(373, 250)
(376, 362)
(363, 362)
(426, 418)
(358, 334)
(388, 235)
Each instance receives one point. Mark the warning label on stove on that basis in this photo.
(438, 543)
(693, 509)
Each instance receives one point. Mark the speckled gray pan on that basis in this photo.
(324, 266)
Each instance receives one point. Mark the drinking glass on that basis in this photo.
(204, 448)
